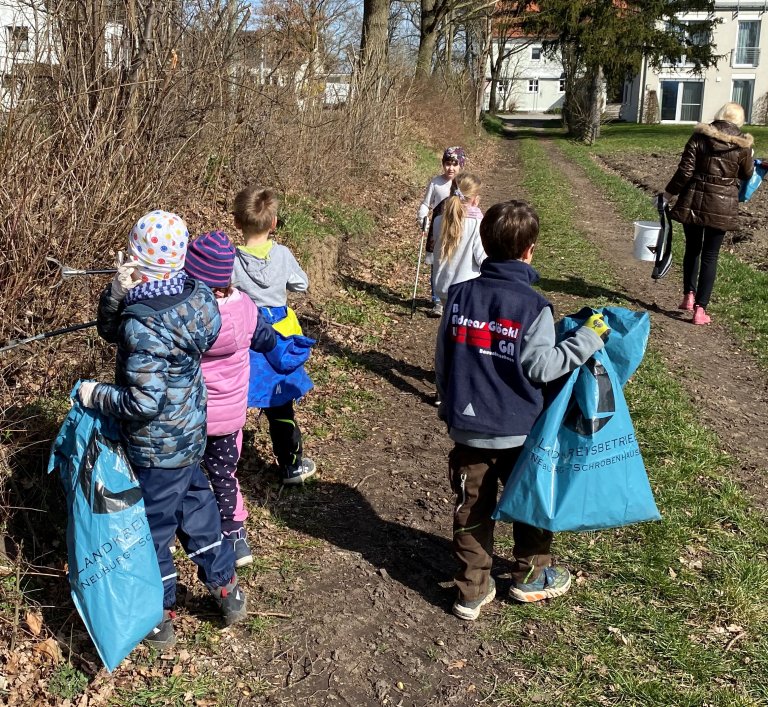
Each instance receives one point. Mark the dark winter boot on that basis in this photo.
(162, 636)
(231, 601)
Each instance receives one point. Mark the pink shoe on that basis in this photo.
(687, 303)
(700, 316)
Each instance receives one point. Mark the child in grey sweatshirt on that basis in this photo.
(266, 271)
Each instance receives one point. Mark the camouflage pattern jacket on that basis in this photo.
(159, 395)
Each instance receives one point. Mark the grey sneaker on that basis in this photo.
(162, 636)
(300, 473)
(552, 582)
(470, 610)
(230, 600)
(239, 542)
(436, 311)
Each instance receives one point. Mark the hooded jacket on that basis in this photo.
(715, 160)
(266, 280)
(159, 396)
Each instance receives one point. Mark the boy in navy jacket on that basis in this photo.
(495, 350)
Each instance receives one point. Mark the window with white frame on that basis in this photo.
(535, 53)
(17, 39)
(561, 86)
(747, 52)
(533, 85)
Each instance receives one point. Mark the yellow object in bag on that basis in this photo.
(289, 325)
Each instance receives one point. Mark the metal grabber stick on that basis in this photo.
(418, 264)
(65, 273)
(47, 335)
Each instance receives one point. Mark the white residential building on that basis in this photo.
(25, 35)
(741, 75)
(529, 81)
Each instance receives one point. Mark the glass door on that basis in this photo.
(681, 101)
(669, 91)
(690, 103)
(743, 93)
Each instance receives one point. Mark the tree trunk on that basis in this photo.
(496, 67)
(428, 24)
(486, 34)
(592, 131)
(373, 43)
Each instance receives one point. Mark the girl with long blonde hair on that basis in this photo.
(457, 246)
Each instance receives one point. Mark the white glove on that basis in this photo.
(123, 280)
(85, 393)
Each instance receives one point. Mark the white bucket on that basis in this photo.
(646, 237)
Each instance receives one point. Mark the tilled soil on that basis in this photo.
(724, 381)
(653, 171)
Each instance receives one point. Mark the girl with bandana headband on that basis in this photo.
(439, 189)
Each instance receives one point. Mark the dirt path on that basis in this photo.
(371, 621)
(351, 588)
(723, 381)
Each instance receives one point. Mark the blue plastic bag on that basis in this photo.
(113, 572)
(749, 186)
(581, 468)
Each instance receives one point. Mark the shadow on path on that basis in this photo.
(343, 516)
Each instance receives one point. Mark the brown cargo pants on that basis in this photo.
(474, 475)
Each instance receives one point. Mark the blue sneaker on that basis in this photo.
(470, 610)
(552, 582)
(239, 542)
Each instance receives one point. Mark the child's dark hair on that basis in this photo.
(508, 229)
(255, 208)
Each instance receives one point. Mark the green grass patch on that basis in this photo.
(305, 222)
(666, 613)
(741, 291)
(492, 124)
(169, 691)
(560, 258)
(424, 165)
(630, 137)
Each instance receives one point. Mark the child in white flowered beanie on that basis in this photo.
(158, 242)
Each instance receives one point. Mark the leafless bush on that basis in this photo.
(173, 105)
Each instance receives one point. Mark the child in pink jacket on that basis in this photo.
(226, 369)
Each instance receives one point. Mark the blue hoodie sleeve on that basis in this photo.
(146, 376)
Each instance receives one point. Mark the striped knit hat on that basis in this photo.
(158, 241)
(210, 259)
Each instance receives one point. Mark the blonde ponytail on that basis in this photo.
(464, 187)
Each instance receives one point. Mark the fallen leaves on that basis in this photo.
(34, 622)
(49, 648)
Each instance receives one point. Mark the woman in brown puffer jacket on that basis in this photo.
(715, 160)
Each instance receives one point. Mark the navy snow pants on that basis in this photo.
(179, 502)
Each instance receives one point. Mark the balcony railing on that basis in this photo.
(745, 56)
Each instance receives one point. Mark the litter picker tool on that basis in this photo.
(418, 264)
(664, 243)
(66, 272)
(47, 335)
